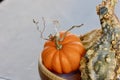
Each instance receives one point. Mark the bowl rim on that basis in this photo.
(46, 72)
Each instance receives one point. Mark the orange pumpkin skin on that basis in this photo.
(66, 59)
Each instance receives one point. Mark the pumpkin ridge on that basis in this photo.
(81, 49)
(69, 40)
(73, 45)
(74, 52)
(46, 59)
(53, 60)
(67, 59)
(60, 60)
(46, 50)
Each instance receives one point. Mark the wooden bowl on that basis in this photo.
(45, 74)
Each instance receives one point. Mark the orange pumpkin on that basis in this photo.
(65, 57)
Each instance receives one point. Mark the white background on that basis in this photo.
(20, 43)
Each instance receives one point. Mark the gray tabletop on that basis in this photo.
(20, 42)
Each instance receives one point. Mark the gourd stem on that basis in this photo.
(58, 46)
(57, 39)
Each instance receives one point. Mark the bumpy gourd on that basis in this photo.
(102, 60)
(90, 38)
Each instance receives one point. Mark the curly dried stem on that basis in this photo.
(70, 30)
(44, 26)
